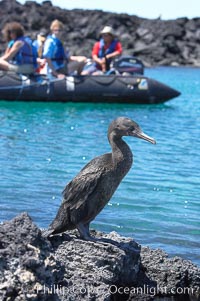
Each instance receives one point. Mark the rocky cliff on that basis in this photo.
(68, 268)
(156, 42)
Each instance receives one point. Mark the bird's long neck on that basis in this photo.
(122, 156)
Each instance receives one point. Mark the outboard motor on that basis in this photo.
(128, 65)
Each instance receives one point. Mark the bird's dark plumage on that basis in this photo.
(87, 194)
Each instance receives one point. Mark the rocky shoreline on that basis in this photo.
(68, 268)
(155, 42)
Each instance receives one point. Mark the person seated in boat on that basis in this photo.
(55, 55)
(103, 52)
(39, 46)
(19, 55)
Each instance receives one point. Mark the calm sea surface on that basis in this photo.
(44, 145)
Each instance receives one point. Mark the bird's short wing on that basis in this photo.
(74, 206)
(81, 196)
(80, 188)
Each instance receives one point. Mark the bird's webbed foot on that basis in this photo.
(84, 232)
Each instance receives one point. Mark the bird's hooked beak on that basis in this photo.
(142, 135)
(146, 137)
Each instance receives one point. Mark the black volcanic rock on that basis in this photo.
(156, 42)
(68, 268)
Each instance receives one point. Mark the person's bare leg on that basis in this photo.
(4, 65)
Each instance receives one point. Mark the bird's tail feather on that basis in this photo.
(46, 232)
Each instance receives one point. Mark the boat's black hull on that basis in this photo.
(110, 89)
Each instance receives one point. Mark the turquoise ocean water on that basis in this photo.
(44, 145)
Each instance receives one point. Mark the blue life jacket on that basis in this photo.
(103, 52)
(110, 49)
(27, 54)
(59, 52)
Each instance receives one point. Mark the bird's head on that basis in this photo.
(124, 126)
